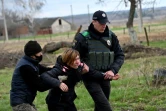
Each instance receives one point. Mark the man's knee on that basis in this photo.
(24, 107)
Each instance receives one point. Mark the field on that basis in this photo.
(155, 31)
(134, 91)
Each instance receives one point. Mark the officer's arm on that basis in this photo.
(93, 74)
(81, 45)
(118, 57)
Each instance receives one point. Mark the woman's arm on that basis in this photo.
(51, 77)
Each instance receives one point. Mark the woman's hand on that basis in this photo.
(63, 87)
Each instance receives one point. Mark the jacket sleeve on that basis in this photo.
(51, 77)
(43, 69)
(93, 74)
(81, 45)
(32, 79)
(118, 55)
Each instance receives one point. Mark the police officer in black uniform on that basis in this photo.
(99, 48)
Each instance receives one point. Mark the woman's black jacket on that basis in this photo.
(55, 95)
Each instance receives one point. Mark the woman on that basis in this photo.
(62, 96)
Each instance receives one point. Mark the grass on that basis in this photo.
(160, 44)
(130, 92)
(5, 78)
(45, 36)
(118, 29)
(133, 91)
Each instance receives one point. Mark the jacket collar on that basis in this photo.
(97, 35)
(30, 59)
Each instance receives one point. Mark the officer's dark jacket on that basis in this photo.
(26, 81)
(55, 95)
(82, 46)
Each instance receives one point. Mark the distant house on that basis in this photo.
(54, 25)
(14, 29)
(22, 30)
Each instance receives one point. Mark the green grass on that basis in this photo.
(153, 26)
(133, 91)
(5, 78)
(159, 24)
(160, 44)
(46, 36)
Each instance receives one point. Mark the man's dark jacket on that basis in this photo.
(26, 81)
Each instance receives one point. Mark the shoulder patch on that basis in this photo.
(85, 33)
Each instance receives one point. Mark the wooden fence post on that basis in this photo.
(146, 36)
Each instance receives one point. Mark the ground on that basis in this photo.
(12, 51)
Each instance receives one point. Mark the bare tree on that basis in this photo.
(23, 10)
(129, 24)
(14, 21)
(31, 7)
(4, 19)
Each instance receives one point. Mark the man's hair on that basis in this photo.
(69, 56)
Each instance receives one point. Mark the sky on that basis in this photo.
(60, 8)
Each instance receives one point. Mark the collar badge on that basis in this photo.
(108, 42)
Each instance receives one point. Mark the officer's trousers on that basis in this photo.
(99, 91)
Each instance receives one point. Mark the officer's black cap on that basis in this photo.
(101, 17)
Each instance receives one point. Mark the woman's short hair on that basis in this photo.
(69, 55)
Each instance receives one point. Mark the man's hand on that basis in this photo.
(85, 68)
(116, 77)
(108, 75)
(63, 87)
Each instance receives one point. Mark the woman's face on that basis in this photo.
(76, 63)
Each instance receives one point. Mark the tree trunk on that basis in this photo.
(133, 35)
(51, 47)
(129, 24)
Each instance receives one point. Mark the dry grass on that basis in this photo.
(157, 32)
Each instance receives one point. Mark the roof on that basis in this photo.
(48, 22)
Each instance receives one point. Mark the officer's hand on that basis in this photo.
(116, 77)
(63, 87)
(85, 69)
(108, 75)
